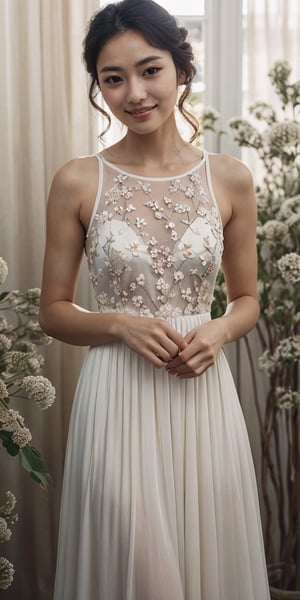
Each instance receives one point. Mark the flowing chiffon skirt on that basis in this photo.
(159, 496)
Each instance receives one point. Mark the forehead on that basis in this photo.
(127, 46)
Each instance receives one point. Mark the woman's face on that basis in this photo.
(138, 81)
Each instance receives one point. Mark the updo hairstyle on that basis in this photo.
(157, 26)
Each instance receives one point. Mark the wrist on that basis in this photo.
(118, 326)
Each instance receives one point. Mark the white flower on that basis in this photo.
(263, 112)
(274, 230)
(6, 573)
(130, 208)
(5, 342)
(286, 398)
(3, 389)
(170, 225)
(12, 421)
(102, 298)
(162, 286)
(265, 361)
(5, 532)
(289, 267)
(152, 241)
(140, 222)
(3, 270)
(178, 276)
(140, 279)
(17, 362)
(8, 507)
(245, 133)
(137, 300)
(288, 350)
(21, 436)
(40, 390)
(133, 247)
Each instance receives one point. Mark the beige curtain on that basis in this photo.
(272, 33)
(45, 119)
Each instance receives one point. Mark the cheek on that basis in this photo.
(111, 97)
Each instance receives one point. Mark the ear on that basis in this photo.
(181, 77)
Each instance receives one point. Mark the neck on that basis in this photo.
(158, 153)
(154, 148)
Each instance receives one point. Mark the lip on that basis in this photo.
(142, 112)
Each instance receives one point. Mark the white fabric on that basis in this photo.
(159, 496)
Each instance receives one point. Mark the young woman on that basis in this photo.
(159, 497)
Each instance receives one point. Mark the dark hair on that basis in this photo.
(157, 26)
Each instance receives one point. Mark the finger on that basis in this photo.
(174, 362)
(175, 337)
(185, 372)
(155, 359)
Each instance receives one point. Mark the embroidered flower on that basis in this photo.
(137, 301)
(162, 286)
(102, 298)
(140, 279)
(170, 225)
(133, 247)
(178, 276)
(140, 222)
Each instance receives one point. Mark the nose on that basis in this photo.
(136, 90)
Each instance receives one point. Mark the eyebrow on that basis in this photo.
(144, 61)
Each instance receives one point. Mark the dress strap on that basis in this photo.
(99, 191)
(209, 182)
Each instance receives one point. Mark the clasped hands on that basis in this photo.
(200, 351)
(164, 347)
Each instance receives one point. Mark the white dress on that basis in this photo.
(159, 496)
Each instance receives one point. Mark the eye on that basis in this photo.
(112, 79)
(152, 70)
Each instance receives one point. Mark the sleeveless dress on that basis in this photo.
(159, 495)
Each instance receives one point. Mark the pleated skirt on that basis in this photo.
(159, 494)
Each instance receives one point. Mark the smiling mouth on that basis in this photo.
(140, 111)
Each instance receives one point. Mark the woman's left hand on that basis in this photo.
(204, 343)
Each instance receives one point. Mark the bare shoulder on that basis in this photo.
(74, 189)
(231, 173)
(75, 175)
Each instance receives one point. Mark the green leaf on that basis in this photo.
(3, 295)
(7, 442)
(32, 462)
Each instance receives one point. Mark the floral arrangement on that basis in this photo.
(20, 363)
(277, 143)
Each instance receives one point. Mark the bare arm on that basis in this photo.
(234, 189)
(70, 203)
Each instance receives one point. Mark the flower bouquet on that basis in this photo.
(20, 365)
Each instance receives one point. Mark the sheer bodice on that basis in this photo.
(154, 245)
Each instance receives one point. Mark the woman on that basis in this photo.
(159, 497)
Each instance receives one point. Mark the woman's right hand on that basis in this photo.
(154, 339)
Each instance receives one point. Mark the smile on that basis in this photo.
(141, 111)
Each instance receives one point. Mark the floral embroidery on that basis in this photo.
(155, 246)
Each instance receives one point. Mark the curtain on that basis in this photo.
(272, 33)
(45, 120)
